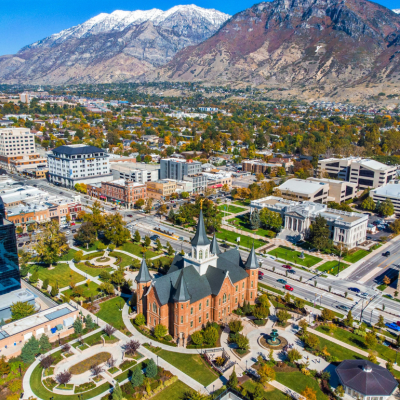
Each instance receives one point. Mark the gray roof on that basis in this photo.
(252, 262)
(181, 292)
(378, 381)
(144, 274)
(214, 248)
(200, 238)
(77, 150)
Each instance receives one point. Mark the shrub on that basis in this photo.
(197, 338)
(211, 336)
(168, 338)
(236, 326)
(140, 320)
(160, 331)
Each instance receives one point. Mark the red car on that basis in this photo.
(286, 266)
(260, 273)
(288, 287)
(398, 323)
(72, 223)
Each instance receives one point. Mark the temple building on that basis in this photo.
(205, 285)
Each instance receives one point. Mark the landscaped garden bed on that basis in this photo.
(113, 370)
(84, 387)
(87, 363)
(68, 386)
(146, 332)
(49, 371)
(127, 364)
(110, 339)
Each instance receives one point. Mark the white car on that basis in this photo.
(363, 295)
(67, 232)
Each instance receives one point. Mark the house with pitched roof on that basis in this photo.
(204, 285)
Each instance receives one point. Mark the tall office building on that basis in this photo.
(10, 279)
(176, 168)
(16, 141)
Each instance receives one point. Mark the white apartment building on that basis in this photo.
(78, 163)
(16, 141)
(346, 228)
(136, 172)
(365, 173)
(391, 192)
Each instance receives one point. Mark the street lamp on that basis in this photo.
(157, 361)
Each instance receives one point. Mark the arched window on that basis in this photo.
(224, 298)
(200, 254)
(155, 307)
(206, 254)
(194, 253)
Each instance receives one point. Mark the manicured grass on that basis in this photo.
(245, 203)
(231, 209)
(94, 339)
(92, 271)
(190, 364)
(68, 256)
(88, 291)
(110, 312)
(61, 273)
(298, 382)
(127, 373)
(271, 393)
(245, 241)
(357, 341)
(340, 352)
(90, 248)
(293, 256)
(136, 249)
(331, 267)
(356, 256)
(126, 261)
(42, 393)
(241, 223)
(176, 391)
(86, 364)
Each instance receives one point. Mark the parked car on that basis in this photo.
(355, 290)
(260, 277)
(260, 273)
(72, 223)
(282, 281)
(286, 266)
(73, 230)
(393, 326)
(288, 287)
(398, 323)
(342, 307)
(67, 232)
(129, 215)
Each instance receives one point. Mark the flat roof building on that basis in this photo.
(135, 172)
(390, 191)
(16, 141)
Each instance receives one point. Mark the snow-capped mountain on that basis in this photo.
(397, 11)
(119, 20)
(112, 47)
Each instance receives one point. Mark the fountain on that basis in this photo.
(273, 340)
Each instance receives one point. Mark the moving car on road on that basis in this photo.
(282, 281)
(342, 307)
(386, 253)
(286, 266)
(288, 287)
(260, 273)
(154, 237)
(355, 290)
(291, 271)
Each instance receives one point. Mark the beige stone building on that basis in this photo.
(161, 189)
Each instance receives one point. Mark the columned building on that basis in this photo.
(204, 285)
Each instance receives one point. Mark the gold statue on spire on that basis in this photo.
(201, 204)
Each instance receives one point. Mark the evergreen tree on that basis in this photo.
(89, 322)
(44, 344)
(255, 219)
(117, 392)
(45, 284)
(170, 249)
(54, 290)
(233, 380)
(158, 245)
(319, 233)
(349, 319)
(78, 326)
(151, 369)
(34, 277)
(137, 377)
(137, 237)
(29, 351)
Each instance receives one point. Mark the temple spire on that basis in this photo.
(181, 292)
(252, 262)
(214, 248)
(144, 275)
(200, 238)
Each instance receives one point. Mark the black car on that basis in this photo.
(73, 230)
(154, 237)
(354, 289)
(386, 253)
(291, 271)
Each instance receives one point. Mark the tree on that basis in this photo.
(264, 301)
(137, 377)
(89, 322)
(137, 237)
(109, 330)
(147, 241)
(309, 393)
(259, 177)
(185, 195)
(303, 325)
(115, 231)
(327, 315)
(211, 335)
(117, 277)
(139, 203)
(34, 277)
(170, 249)
(131, 347)
(151, 369)
(339, 391)
(233, 380)
(158, 245)
(255, 219)
(371, 340)
(47, 362)
(386, 280)
(236, 326)
(117, 392)
(4, 366)
(381, 322)
(105, 276)
(29, 351)
(283, 316)
(368, 204)
(242, 342)
(261, 312)
(44, 344)
(64, 377)
(45, 284)
(21, 309)
(294, 355)
(197, 338)
(311, 341)
(78, 326)
(319, 233)
(107, 288)
(149, 204)
(349, 319)
(372, 358)
(96, 369)
(267, 374)
(51, 243)
(386, 208)
(140, 320)
(86, 234)
(270, 219)
(160, 331)
(78, 256)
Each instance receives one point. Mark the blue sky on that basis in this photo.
(25, 21)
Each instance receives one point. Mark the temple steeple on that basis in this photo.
(214, 248)
(200, 238)
(252, 262)
(144, 275)
(181, 292)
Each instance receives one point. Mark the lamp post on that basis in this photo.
(157, 361)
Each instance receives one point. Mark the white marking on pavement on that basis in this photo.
(365, 278)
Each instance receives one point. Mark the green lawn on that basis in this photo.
(340, 352)
(92, 271)
(356, 256)
(270, 394)
(110, 313)
(42, 393)
(88, 291)
(245, 203)
(245, 241)
(126, 261)
(68, 256)
(357, 341)
(298, 382)
(94, 339)
(90, 248)
(293, 256)
(231, 209)
(136, 249)
(60, 272)
(331, 267)
(190, 364)
(174, 392)
(241, 223)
